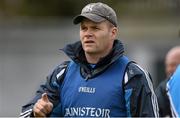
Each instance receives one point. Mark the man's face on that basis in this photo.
(97, 38)
(172, 60)
(170, 68)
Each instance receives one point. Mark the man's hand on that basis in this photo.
(42, 107)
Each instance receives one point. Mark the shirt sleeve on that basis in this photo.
(163, 101)
(173, 92)
(51, 87)
(140, 98)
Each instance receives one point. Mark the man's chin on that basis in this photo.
(90, 51)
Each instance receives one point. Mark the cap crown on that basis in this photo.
(102, 10)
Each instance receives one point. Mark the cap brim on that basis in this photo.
(93, 17)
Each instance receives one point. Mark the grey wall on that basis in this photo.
(28, 54)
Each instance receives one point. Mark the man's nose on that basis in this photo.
(88, 34)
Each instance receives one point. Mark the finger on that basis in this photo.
(45, 107)
(38, 111)
(39, 114)
(49, 107)
(45, 97)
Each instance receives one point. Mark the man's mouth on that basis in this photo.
(89, 41)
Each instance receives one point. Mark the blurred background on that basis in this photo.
(33, 31)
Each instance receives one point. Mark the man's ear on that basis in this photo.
(114, 32)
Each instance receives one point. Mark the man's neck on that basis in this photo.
(93, 59)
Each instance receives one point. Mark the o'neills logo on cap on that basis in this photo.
(88, 8)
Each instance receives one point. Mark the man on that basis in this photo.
(99, 81)
(174, 93)
(171, 61)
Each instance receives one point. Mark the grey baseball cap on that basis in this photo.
(97, 12)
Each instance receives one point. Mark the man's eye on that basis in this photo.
(83, 28)
(96, 28)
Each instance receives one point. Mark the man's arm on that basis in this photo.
(163, 101)
(51, 88)
(173, 92)
(140, 98)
